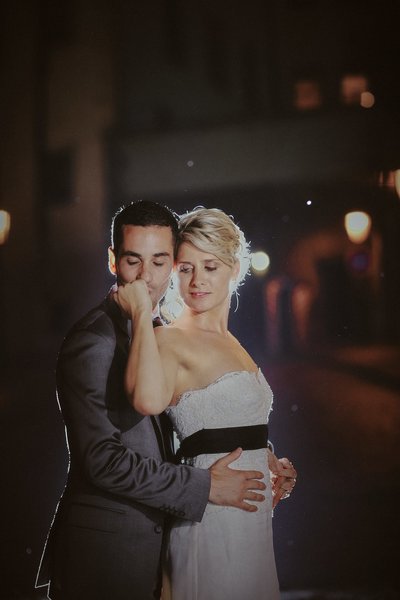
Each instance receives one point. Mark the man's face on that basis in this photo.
(146, 253)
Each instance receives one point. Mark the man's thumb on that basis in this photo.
(230, 458)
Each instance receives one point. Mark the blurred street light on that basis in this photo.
(5, 223)
(358, 226)
(397, 181)
(367, 100)
(259, 262)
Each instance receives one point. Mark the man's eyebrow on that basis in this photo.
(130, 253)
(137, 255)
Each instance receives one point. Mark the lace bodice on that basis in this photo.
(237, 398)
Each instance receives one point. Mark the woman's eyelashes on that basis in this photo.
(185, 268)
(189, 268)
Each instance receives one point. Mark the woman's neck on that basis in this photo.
(215, 320)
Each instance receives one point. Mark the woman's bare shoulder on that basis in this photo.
(174, 343)
(170, 334)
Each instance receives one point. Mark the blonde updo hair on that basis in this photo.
(213, 231)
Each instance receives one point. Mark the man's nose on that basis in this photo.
(145, 273)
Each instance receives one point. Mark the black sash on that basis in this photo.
(215, 441)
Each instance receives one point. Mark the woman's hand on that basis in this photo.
(134, 298)
(283, 477)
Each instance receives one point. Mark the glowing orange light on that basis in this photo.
(387, 179)
(358, 226)
(397, 181)
(352, 87)
(367, 100)
(307, 95)
(5, 223)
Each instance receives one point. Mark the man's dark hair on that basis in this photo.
(143, 213)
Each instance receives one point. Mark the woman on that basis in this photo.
(204, 378)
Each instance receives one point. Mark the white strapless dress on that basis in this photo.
(229, 555)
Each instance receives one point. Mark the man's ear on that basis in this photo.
(112, 261)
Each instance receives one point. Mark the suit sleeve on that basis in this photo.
(95, 443)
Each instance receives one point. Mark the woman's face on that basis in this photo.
(203, 278)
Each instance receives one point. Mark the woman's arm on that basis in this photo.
(152, 367)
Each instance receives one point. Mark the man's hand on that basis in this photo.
(231, 487)
(283, 477)
(133, 298)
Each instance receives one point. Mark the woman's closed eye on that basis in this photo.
(189, 268)
(185, 268)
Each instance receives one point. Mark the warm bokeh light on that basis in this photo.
(260, 262)
(390, 179)
(5, 223)
(352, 88)
(397, 181)
(367, 100)
(307, 95)
(358, 226)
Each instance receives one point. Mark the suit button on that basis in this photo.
(158, 528)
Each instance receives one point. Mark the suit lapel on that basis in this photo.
(159, 434)
(167, 432)
(116, 315)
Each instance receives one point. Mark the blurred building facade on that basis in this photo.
(259, 109)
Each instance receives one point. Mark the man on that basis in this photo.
(105, 542)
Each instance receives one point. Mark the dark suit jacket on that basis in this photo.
(105, 541)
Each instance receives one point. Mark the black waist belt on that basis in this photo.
(214, 441)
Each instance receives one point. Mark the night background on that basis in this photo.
(285, 114)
